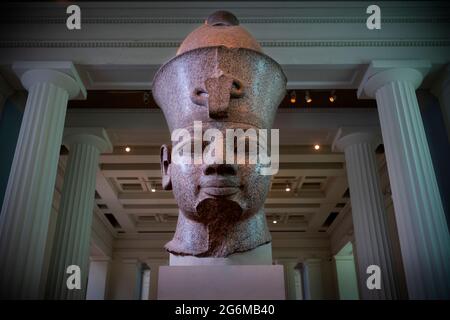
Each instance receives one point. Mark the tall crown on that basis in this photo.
(219, 75)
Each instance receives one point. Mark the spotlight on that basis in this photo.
(316, 147)
(332, 96)
(307, 97)
(127, 149)
(150, 185)
(293, 96)
(146, 98)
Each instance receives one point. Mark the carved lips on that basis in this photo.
(216, 186)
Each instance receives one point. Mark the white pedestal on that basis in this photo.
(221, 282)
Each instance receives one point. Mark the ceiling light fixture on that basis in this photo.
(293, 96)
(151, 186)
(127, 149)
(274, 221)
(332, 96)
(316, 147)
(288, 188)
(146, 98)
(307, 97)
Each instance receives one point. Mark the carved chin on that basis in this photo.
(223, 231)
(216, 210)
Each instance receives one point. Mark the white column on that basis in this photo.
(368, 210)
(145, 284)
(422, 227)
(312, 279)
(98, 277)
(298, 283)
(290, 281)
(26, 207)
(74, 221)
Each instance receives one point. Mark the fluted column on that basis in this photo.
(312, 279)
(74, 222)
(368, 210)
(422, 227)
(26, 207)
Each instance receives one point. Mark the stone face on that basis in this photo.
(225, 82)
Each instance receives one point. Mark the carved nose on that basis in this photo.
(217, 95)
(220, 169)
(219, 90)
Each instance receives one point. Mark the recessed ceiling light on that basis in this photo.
(332, 96)
(307, 97)
(274, 221)
(293, 96)
(127, 149)
(316, 147)
(288, 186)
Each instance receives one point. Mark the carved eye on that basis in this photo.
(201, 93)
(199, 96)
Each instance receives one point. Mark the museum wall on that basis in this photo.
(435, 130)
(10, 120)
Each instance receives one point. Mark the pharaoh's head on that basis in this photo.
(218, 89)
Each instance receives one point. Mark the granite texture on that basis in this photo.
(219, 77)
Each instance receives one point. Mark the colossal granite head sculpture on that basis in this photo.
(219, 77)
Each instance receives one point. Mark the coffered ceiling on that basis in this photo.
(316, 178)
(317, 182)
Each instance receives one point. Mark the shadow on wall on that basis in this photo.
(10, 121)
(438, 143)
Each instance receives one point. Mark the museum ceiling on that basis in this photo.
(129, 196)
(294, 98)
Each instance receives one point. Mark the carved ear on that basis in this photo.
(165, 167)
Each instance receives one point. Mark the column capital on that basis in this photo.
(348, 136)
(91, 136)
(61, 73)
(381, 72)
